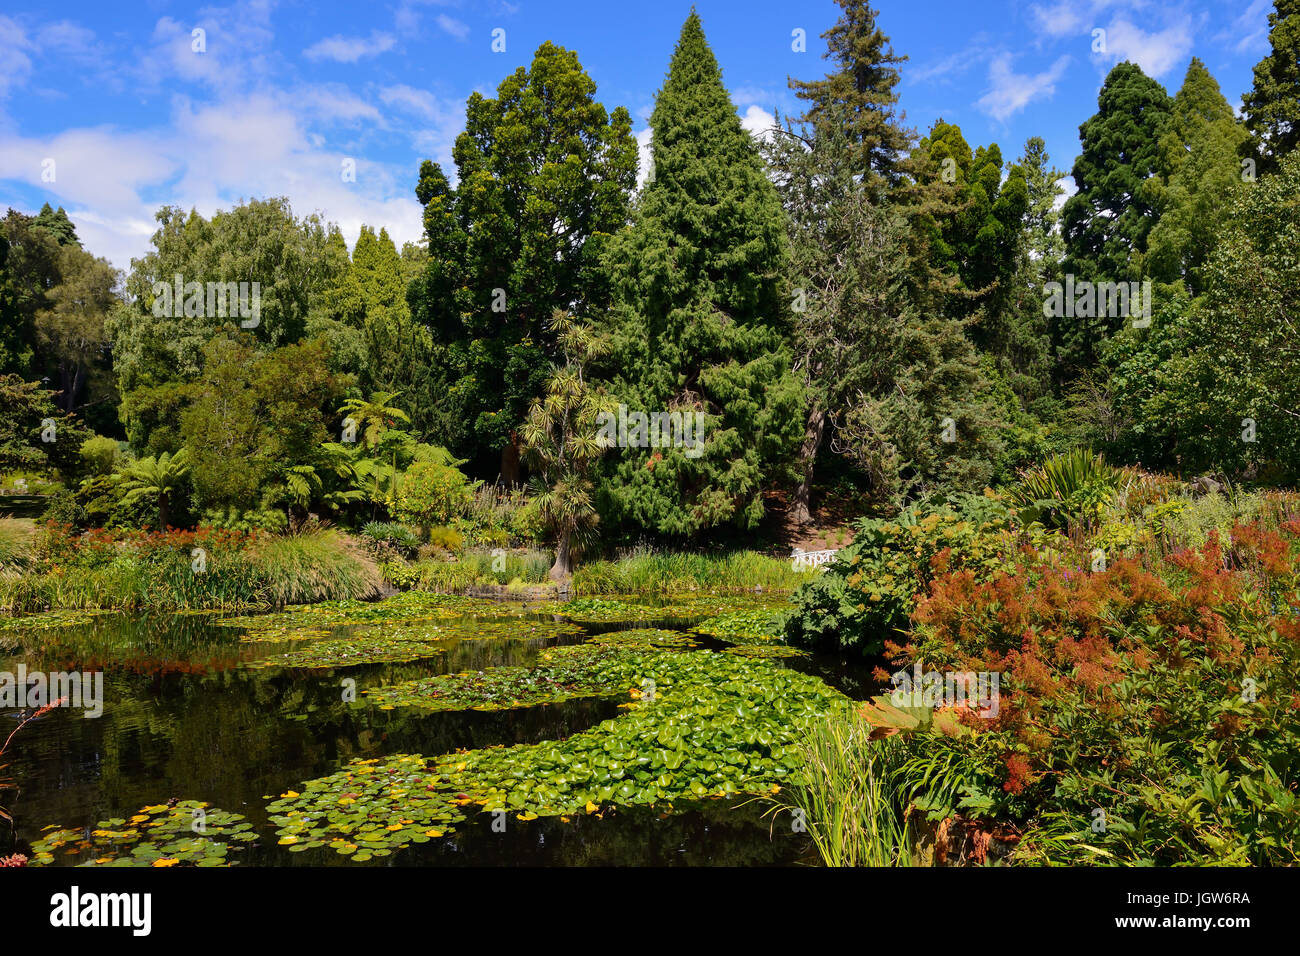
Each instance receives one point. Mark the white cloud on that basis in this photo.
(334, 103)
(758, 122)
(15, 64)
(209, 157)
(1249, 31)
(343, 49)
(1010, 92)
(1060, 19)
(457, 29)
(444, 119)
(1156, 53)
(645, 155)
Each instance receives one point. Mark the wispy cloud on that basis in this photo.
(1010, 92)
(343, 49)
(455, 27)
(15, 64)
(1156, 52)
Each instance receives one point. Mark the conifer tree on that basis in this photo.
(1272, 106)
(702, 320)
(1107, 222)
(1200, 149)
(545, 175)
(862, 93)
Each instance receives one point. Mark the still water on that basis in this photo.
(185, 717)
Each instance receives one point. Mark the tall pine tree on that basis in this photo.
(702, 322)
(1272, 106)
(545, 175)
(1107, 222)
(861, 92)
(1201, 149)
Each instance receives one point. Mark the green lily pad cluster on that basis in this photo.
(643, 637)
(606, 611)
(407, 608)
(561, 673)
(368, 809)
(715, 724)
(49, 620)
(351, 652)
(394, 645)
(744, 627)
(187, 833)
(771, 651)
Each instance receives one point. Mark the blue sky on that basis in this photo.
(132, 117)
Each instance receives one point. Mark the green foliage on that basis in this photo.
(101, 455)
(156, 480)
(562, 444)
(544, 177)
(701, 323)
(401, 537)
(848, 792)
(860, 94)
(1075, 486)
(259, 239)
(1272, 105)
(674, 572)
(15, 546)
(132, 570)
(865, 595)
(432, 493)
(1201, 148)
(1107, 222)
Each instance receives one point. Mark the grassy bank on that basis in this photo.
(47, 569)
(648, 573)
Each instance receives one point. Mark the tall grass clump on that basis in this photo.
(849, 794)
(190, 570)
(675, 572)
(15, 545)
(306, 568)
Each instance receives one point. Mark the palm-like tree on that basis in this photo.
(376, 416)
(155, 478)
(561, 443)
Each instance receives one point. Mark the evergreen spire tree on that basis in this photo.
(701, 323)
(545, 174)
(1107, 222)
(1042, 235)
(862, 92)
(1200, 155)
(1272, 106)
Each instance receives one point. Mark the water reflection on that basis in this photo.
(182, 719)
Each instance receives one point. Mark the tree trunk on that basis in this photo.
(563, 567)
(812, 440)
(162, 511)
(510, 462)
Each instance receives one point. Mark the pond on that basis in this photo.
(387, 734)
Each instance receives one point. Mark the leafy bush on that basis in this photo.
(446, 539)
(399, 537)
(270, 520)
(865, 595)
(432, 493)
(101, 456)
(1163, 697)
